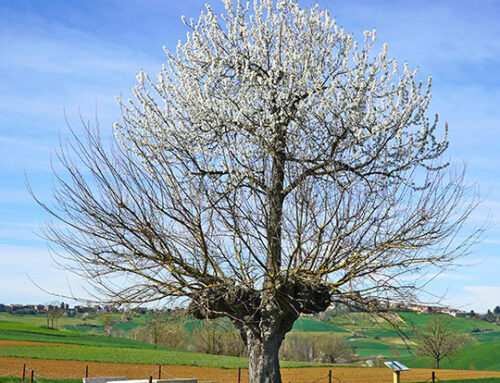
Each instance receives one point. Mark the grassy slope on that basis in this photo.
(136, 356)
(369, 339)
(487, 337)
(41, 320)
(32, 333)
(76, 323)
(484, 355)
(480, 356)
(459, 324)
(122, 355)
(105, 349)
(312, 325)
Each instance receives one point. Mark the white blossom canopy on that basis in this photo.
(270, 146)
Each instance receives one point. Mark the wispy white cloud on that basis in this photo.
(481, 297)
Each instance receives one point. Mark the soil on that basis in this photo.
(76, 370)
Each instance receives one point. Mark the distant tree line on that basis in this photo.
(490, 316)
(220, 337)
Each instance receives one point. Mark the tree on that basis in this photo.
(496, 310)
(108, 322)
(53, 312)
(490, 317)
(275, 167)
(218, 338)
(327, 315)
(155, 326)
(298, 347)
(308, 347)
(332, 348)
(438, 339)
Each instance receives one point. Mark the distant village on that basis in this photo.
(79, 309)
(431, 309)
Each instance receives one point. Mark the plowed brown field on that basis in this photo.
(73, 369)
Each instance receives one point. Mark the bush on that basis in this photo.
(324, 348)
(332, 348)
(171, 333)
(297, 347)
(217, 338)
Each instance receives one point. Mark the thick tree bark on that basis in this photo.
(263, 319)
(263, 344)
(263, 360)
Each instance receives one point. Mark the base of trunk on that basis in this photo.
(263, 361)
(263, 353)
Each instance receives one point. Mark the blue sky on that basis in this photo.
(70, 58)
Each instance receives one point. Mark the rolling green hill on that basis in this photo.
(480, 356)
(367, 338)
(33, 333)
(312, 325)
(459, 324)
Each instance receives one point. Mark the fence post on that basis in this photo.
(433, 377)
(329, 376)
(24, 371)
(87, 371)
(239, 374)
(32, 376)
(159, 371)
(150, 379)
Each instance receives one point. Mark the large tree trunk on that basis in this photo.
(263, 360)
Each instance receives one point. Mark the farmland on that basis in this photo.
(66, 351)
(58, 369)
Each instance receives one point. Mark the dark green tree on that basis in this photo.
(489, 317)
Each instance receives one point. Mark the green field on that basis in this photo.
(487, 337)
(480, 356)
(366, 337)
(122, 355)
(77, 323)
(99, 348)
(135, 355)
(459, 324)
(40, 320)
(312, 325)
(33, 333)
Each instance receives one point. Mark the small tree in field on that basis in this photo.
(108, 322)
(438, 340)
(156, 327)
(273, 167)
(53, 313)
(332, 348)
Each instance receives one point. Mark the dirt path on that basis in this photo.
(73, 369)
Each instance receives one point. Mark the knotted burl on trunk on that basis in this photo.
(291, 295)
